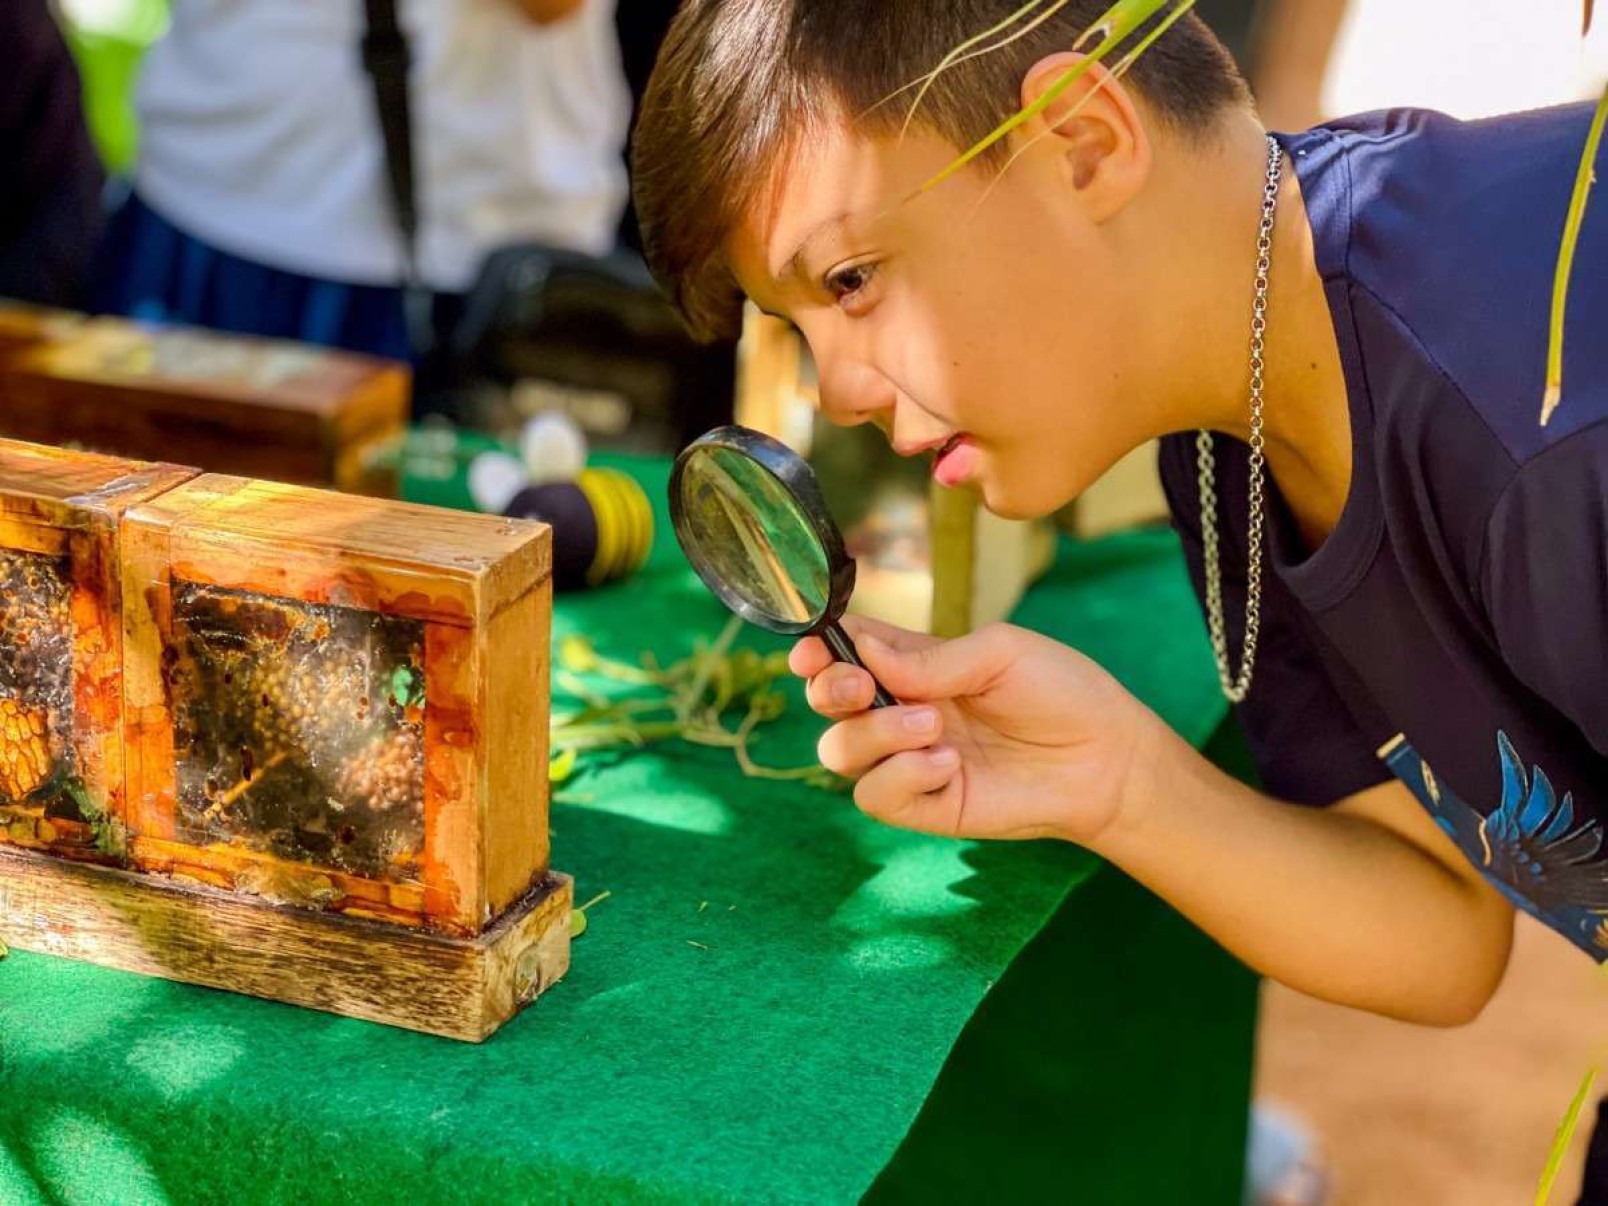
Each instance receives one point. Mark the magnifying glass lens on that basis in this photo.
(747, 531)
(750, 517)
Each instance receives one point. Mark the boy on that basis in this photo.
(1418, 563)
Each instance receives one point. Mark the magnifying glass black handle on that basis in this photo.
(843, 649)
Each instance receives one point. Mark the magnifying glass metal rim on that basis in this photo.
(796, 477)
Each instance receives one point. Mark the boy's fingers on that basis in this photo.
(852, 748)
(920, 790)
(900, 639)
(939, 670)
(840, 690)
(809, 657)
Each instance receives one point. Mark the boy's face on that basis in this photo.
(981, 319)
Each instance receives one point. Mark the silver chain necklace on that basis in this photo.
(1236, 687)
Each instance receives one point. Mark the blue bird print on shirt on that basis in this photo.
(1531, 846)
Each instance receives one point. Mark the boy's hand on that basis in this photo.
(1001, 734)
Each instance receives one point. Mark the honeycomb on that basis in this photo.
(299, 730)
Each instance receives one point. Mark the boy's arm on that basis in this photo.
(1365, 903)
(1359, 896)
(1008, 734)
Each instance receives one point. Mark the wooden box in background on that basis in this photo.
(229, 404)
(61, 644)
(23, 325)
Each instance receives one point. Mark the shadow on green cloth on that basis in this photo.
(1054, 1088)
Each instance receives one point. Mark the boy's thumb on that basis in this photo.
(941, 670)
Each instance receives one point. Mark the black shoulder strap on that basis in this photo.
(386, 59)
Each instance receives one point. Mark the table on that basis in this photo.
(780, 1002)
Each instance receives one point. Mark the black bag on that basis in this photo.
(542, 327)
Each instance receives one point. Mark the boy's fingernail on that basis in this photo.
(845, 691)
(944, 758)
(921, 720)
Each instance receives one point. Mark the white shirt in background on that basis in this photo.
(258, 134)
(1468, 58)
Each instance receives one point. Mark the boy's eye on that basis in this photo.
(844, 283)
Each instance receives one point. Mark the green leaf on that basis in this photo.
(578, 921)
(1560, 1145)
(576, 654)
(563, 766)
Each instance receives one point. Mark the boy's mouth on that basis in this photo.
(955, 460)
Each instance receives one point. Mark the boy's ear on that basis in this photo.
(1095, 128)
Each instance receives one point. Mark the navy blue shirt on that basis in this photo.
(1452, 631)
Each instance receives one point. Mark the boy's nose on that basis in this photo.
(853, 393)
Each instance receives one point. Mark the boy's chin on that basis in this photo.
(1013, 505)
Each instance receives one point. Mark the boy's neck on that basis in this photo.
(1207, 281)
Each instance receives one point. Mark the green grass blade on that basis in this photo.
(959, 54)
(965, 53)
(1116, 73)
(1571, 240)
(1118, 22)
(1560, 1144)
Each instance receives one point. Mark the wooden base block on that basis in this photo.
(458, 988)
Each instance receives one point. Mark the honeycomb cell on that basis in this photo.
(299, 731)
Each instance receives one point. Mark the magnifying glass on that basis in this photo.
(750, 518)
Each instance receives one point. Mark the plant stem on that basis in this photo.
(1571, 240)
(1560, 1144)
(1120, 20)
(707, 665)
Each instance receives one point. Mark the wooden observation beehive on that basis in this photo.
(333, 757)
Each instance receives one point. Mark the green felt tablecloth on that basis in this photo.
(822, 1041)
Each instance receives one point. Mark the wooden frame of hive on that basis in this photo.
(455, 949)
(60, 517)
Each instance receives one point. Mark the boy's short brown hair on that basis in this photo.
(738, 80)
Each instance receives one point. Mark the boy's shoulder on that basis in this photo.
(1451, 230)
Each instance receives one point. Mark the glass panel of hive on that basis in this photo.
(38, 776)
(299, 731)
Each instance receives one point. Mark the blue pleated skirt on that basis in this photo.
(151, 270)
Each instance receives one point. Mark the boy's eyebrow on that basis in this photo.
(794, 267)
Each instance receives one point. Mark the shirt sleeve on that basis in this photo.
(1544, 576)
(1307, 744)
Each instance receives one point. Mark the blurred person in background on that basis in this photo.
(1285, 48)
(261, 201)
(50, 176)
